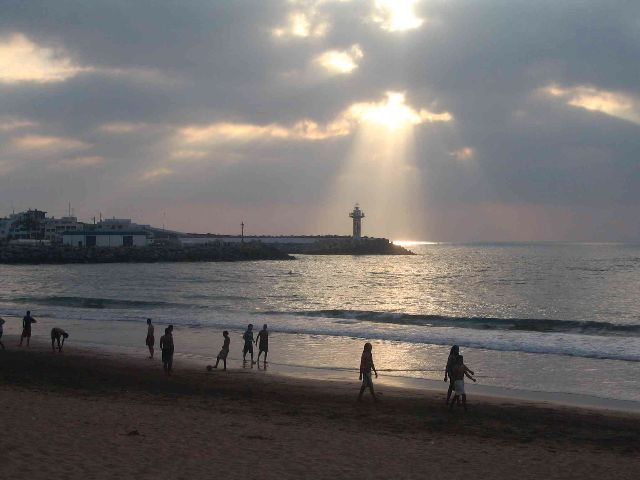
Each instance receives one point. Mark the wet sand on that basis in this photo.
(89, 415)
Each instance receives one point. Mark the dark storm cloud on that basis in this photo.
(156, 67)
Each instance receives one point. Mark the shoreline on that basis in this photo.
(120, 416)
(189, 366)
(296, 356)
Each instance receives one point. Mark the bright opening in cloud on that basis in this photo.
(393, 113)
(340, 61)
(382, 172)
(612, 103)
(396, 15)
(21, 60)
(302, 25)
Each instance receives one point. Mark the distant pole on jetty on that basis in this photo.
(357, 216)
(242, 232)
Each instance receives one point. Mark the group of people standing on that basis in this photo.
(167, 346)
(57, 334)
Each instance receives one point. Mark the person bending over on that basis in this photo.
(56, 335)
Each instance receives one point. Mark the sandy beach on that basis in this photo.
(90, 415)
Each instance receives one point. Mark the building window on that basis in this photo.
(127, 241)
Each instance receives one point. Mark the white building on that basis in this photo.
(102, 238)
(55, 227)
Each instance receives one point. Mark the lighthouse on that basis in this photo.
(357, 216)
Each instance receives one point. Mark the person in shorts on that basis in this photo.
(366, 365)
(1, 323)
(263, 340)
(459, 371)
(56, 335)
(27, 320)
(224, 352)
(248, 343)
(150, 341)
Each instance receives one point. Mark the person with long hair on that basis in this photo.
(454, 353)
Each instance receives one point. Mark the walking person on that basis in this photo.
(27, 320)
(247, 336)
(166, 345)
(150, 341)
(366, 365)
(1, 323)
(454, 353)
(263, 339)
(56, 335)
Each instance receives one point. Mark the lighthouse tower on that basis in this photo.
(357, 216)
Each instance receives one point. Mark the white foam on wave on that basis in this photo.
(587, 346)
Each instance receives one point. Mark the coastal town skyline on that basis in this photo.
(447, 121)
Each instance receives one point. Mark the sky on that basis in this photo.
(446, 120)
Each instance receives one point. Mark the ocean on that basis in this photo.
(544, 317)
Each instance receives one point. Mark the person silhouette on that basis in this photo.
(451, 361)
(366, 365)
(166, 345)
(150, 341)
(1, 323)
(247, 336)
(224, 352)
(263, 339)
(27, 320)
(56, 335)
